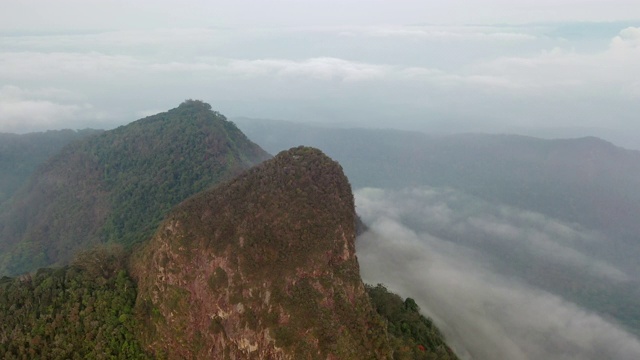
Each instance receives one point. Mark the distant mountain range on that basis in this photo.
(230, 252)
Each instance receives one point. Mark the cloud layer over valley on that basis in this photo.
(492, 276)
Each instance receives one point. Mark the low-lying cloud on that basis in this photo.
(37, 109)
(486, 311)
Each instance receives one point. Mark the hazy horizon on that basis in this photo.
(554, 69)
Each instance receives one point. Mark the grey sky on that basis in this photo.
(432, 66)
(92, 14)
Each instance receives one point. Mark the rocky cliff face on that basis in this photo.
(260, 267)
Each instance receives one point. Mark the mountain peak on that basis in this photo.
(268, 262)
(117, 186)
(194, 104)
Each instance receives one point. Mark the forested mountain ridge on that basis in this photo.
(261, 266)
(116, 187)
(20, 155)
(264, 267)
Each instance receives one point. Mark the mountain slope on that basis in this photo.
(261, 267)
(117, 186)
(20, 155)
(81, 311)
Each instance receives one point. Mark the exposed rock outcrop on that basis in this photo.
(260, 267)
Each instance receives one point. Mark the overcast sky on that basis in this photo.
(486, 65)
